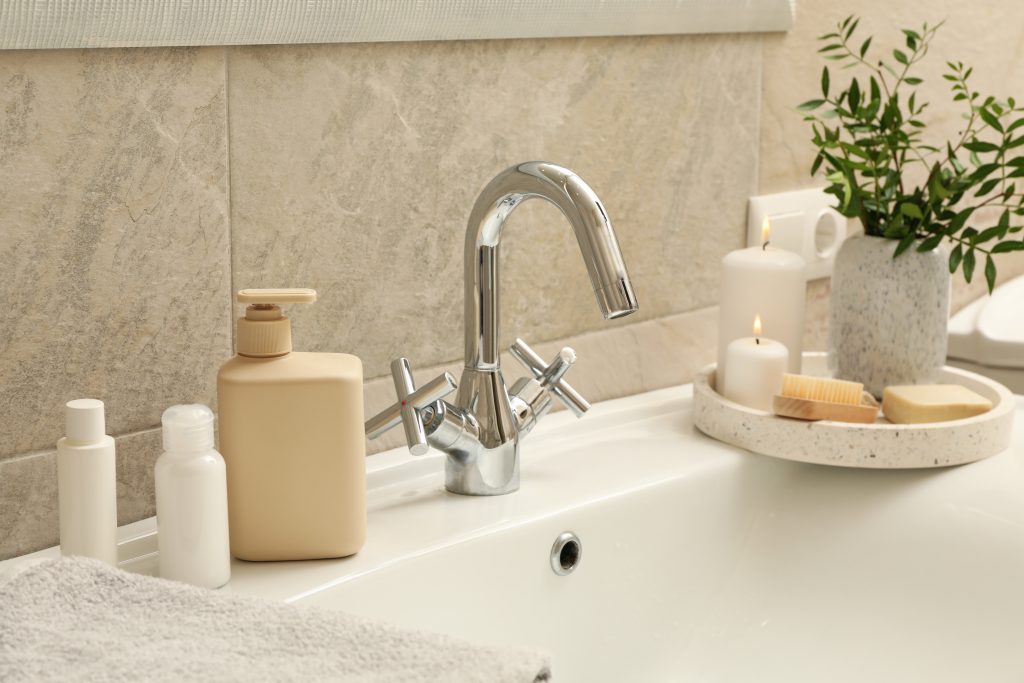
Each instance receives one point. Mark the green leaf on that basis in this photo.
(1004, 223)
(900, 57)
(987, 187)
(969, 264)
(817, 163)
(1004, 247)
(830, 48)
(958, 222)
(854, 95)
(930, 243)
(935, 187)
(983, 171)
(980, 146)
(990, 118)
(864, 47)
(1015, 125)
(824, 81)
(853, 150)
(905, 243)
(913, 80)
(852, 28)
(990, 273)
(911, 210)
(987, 234)
(955, 257)
(895, 228)
(810, 105)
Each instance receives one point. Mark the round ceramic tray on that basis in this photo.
(879, 445)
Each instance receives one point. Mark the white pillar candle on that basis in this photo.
(762, 281)
(756, 367)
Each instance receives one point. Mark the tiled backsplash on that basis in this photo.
(354, 168)
(139, 188)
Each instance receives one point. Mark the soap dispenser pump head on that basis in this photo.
(264, 332)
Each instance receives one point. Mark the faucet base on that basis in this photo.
(488, 464)
(477, 480)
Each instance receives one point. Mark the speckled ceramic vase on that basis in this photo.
(888, 317)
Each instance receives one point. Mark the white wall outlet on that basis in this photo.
(803, 222)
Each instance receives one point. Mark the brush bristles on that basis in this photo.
(822, 389)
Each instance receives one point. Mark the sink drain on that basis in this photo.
(566, 553)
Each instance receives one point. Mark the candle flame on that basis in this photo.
(757, 326)
(766, 230)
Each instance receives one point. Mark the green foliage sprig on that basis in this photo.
(870, 139)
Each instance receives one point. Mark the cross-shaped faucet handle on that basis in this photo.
(411, 401)
(550, 374)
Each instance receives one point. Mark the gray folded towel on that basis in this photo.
(78, 619)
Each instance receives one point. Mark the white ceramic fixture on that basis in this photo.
(987, 336)
(700, 561)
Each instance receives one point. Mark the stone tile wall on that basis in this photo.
(140, 188)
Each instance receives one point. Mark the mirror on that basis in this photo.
(30, 24)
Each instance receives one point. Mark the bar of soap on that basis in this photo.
(916, 404)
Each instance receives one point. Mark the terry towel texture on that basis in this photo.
(80, 620)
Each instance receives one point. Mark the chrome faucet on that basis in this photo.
(481, 431)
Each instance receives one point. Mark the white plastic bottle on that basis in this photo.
(87, 483)
(192, 500)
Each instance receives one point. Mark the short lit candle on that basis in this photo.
(767, 281)
(756, 367)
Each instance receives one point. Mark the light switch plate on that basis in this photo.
(803, 222)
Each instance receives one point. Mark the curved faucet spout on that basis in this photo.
(481, 431)
(589, 221)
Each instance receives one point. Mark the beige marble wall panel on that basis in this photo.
(989, 36)
(29, 517)
(113, 235)
(354, 168)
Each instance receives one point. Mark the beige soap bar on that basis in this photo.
(915, 404)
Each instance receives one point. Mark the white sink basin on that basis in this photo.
(701, 562)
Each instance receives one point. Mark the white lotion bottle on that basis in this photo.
(192, 500)
(87, 483)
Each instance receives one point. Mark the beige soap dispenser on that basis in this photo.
(291, 433)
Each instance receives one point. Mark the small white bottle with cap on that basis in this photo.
(87, 483)
(192, 500)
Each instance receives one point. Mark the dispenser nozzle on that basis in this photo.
(264, 332)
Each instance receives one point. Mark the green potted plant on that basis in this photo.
(928, 207)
